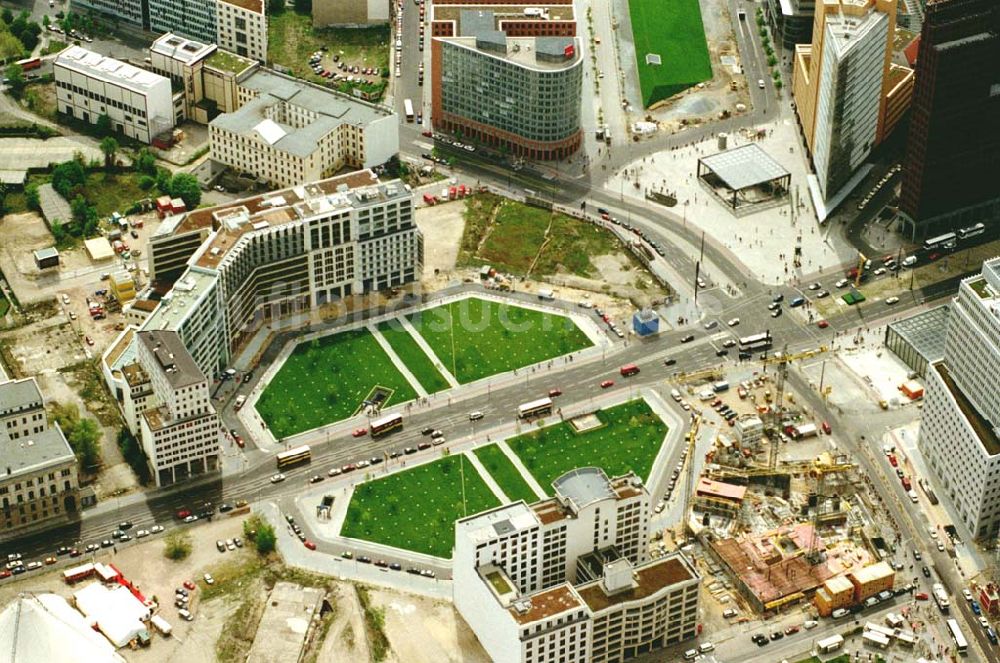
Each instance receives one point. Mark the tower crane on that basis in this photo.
(773, 419)
(692, 438)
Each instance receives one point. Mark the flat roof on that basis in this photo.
(549, 511)
(714, 488)
(99, 248)
(745, 166)
(47, 252)
(983, 428)
(180, 48)
(545, 604)
(256, 6)
(226, 61)
(172, 357)
(925, 332)
(96, 65)
(873, 572)
(584, 486)
(18, 395)
(649, 578)
(32, 453)
(489, 525)
(174, 306)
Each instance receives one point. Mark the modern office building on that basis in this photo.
(953, 147)
(38, 471)
(89, 85)
(194, 19)
(568, 578)
(508, 76)
(848, 94)
(349, 12)
(791, 21)
(169, 400)
(287, 131)
(270, 257)
(960, 430)
(919, 339)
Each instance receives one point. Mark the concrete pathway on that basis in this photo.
(487, 477)
(427, 349)
(397, 362)
(525, 474)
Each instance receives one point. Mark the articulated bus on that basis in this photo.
(387, 424)
(295, 456)
(940, 242)
(537, 408)
(961, 646)
(761, 341)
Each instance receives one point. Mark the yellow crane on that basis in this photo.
(862, 259)
(692, 438)
(707, 373)
(782, 359)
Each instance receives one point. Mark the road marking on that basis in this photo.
(422, 145)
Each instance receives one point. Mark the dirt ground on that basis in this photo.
(442, 226)
(144, 564)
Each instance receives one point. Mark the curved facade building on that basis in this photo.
(507, 82)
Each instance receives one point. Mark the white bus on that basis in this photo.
(408, 107)
(961, 646)
(940, 241)
(833, 643)
(537, 408)
(971, 231)
(762, 341)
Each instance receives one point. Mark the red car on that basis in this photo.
(822, 324)
(424, 445)
(309, 544)
(555, 392)
(182, 514)
(893, 461)
(360, 432)
(5, 573)
(188, 585)
(427, 134)
(239, 441)
(826, 427)
(89, 340)
(791, 630)
(921, 596)
(607, 383)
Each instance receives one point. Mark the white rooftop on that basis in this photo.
(94, 64)
(498, 522)
(270, 131)
(179, 48)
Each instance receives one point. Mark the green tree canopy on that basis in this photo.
(185, 186)
(109, 147)
(15, 80)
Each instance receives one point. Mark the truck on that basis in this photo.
(408, 109)
(928, 491)
(429, 199)
(802, 431)
(941, 597)
(547, 294)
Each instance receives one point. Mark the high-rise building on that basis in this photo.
(38, 471)
(791, 21)
(848, 93)
(953, 148)
(569, 579)
(960, 430)
(508, 79)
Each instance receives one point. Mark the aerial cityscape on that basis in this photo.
(425, 331)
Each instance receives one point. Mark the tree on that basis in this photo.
(45, 21)
(31, 197)
(303, 6)
(185, 186)
(85, 441)
(145, 162)
(103, 126)
(177, 545)
(109, 146)
(15, 80)
(146, 182)
(7, 15)
(67, 176)
(261, 532)
(275, 6)
(163, 181)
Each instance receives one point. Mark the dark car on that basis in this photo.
(926, 571)
(409, 450)
(364, 559)
(721, 353)
(427, 431)
(223, 508)
(669, 362)
(777, 635)
(688, 338)
(125, 524)
(778, 298)
(63, 550)
(424, 445)
(395, 566)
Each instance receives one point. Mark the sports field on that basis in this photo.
(326, 380)
(629, 440)
(673, 30)
(416, 509)
(475, 338)
(505, 474)
(413, 356)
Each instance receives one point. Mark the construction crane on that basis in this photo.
(773, 419)
(707, 373)
(692, 438)
(862, 259)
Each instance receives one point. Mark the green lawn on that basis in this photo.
(505, 474)
(416, 509)
(475, 338)
(413, 356)
(326, 379)
(113, 192)
(673, 30)
(629, 440)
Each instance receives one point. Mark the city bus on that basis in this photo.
(961, 646)
(761, 341)
(386, 424)
(295, 456)
(29, 63)
(628, 369)
(535, 408)
(408, 107)
(940, 241)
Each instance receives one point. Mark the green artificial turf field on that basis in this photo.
(326, 379)
(673, 30)
(413, 356)
(416, 509)
(505, 474)
(629, 440)
(491, 338)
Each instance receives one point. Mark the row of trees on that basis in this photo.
(82, 433)
(20, 28)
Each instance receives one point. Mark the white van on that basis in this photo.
(909, 261)
(475, 416)
(913, 496)
(706, 647)
(185, 615)
(706, 395)
(676, 395)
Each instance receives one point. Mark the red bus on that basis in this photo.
(628, 369)
(30, 63)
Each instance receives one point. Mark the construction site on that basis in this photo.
(780, 515)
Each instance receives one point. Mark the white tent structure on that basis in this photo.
(44, 627)
(116, 612)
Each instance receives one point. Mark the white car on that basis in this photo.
(880, 271)
(810, 623)
(142, 533)
(842, 283)
(209, 580)
(278, 478)
(892, 300)
(760, 83)
(967, 594)
(983, 622)
(733, 322)
(815, 286)
(156, 529)
(65, 298)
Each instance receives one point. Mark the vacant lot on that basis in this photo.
(629, 440)
(516, 238)
(673, 30)
(505, 474)
(292, 40)
(413, 356)
(326, 380)
(475, 338)
(416, 509)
